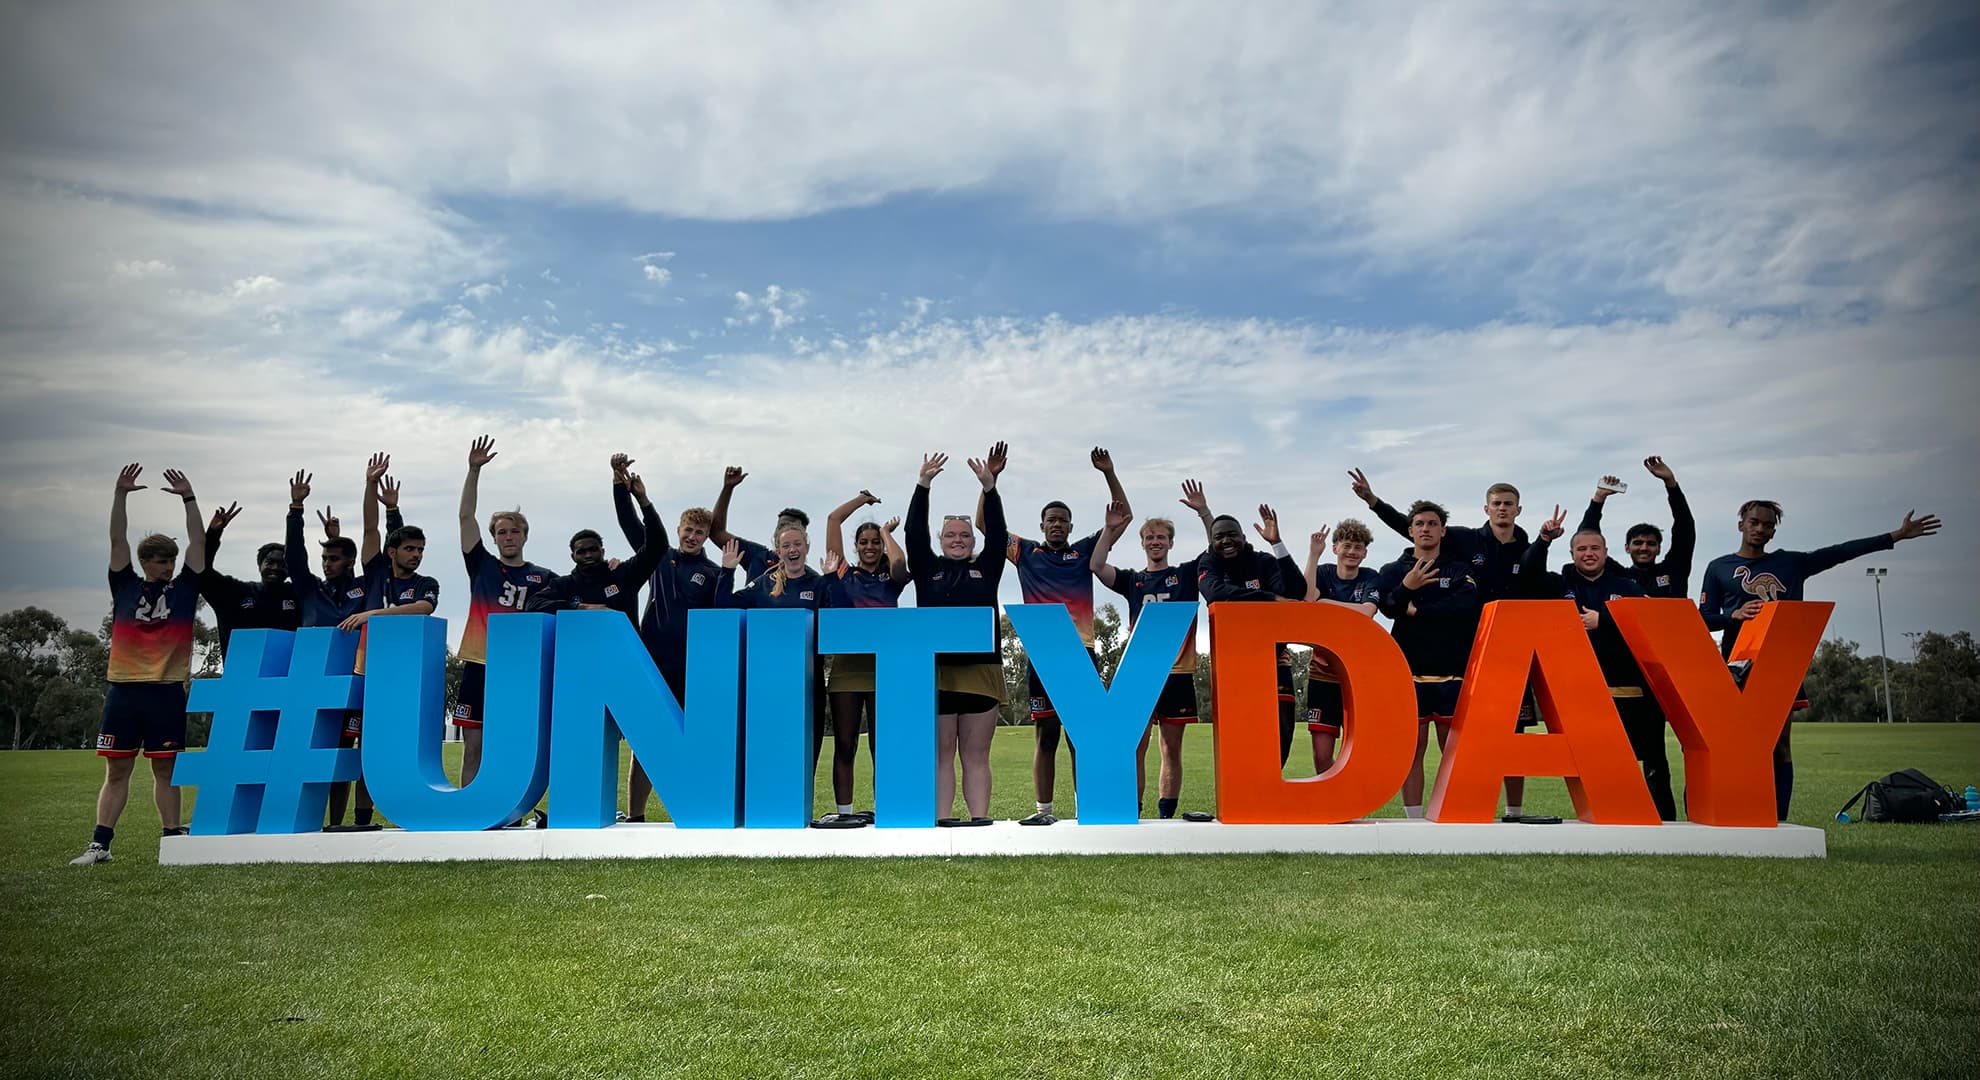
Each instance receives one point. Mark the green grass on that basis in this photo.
(1866, 963)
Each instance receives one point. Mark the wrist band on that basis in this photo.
(1279, 549)
(188, 498)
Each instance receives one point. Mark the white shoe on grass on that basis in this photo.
(93, 854)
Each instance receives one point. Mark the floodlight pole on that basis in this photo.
(1876, 576)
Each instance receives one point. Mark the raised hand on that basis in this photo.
(376, 468)
(481, 451)
(931, 467)
(177, 484)
(1607, 487)
(888, 526)
(731, 554)
(1193, 497)
(832, 563)
(127, 477)
(1661, 471)
(223, 517)
(1912, 529)
(733, 476)
(1590, 618)
(1358, 483)
(1316, 545)
(1102, 460)
(1553, 527)
(1423, 573)
(1268, 525)
(388, 492)
(983, 473)
(620, 463)
(999, 457)
(332, 528)
(867, 498)
(1117, 518)
(299, 487)
(636, 486)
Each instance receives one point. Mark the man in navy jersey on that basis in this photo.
(151, 638)
(498, 584)
(1056, 571)
(1434, 601)
(266, 604)
(683, 580)
(1737, 585)
(1156, 582)
(1645, 542)
(1233, 570)
(594, 584)
(756, 558)
(1343, 581)
(1591, 580)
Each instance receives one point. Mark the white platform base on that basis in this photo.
(1384, 836)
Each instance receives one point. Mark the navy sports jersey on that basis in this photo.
(857, 588)
(807, 591)
(1169, 585)
(756, 559)
(1252, 575)
(1733, 580)
(494, 588)
(245, 605)
(383, 591)
(940, 581)
(680, 583)
(1064, 577)
(1436, 639)
(1619, 666)
(151, 626)
(1359, 589)
(599, 583)
(1671, 575)
(322, 603)
(1494, 566)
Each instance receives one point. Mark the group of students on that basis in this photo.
(1433, 594)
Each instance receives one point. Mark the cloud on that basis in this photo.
(781, 305)
(138, 268)
(482, 292)
(658, 275)
(253, 286)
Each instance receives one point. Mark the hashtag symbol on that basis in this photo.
(278, 711)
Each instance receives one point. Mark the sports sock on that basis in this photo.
(1044, 807)
(1515, 810)
(1166, 807)
(1783, 787)
(845, 808)
(102, 836)
(363, 816)
(1412, 812)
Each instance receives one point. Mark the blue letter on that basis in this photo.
(905, 642)
(404, 724)
(1104, 723)
(272, 755)
(782, 709)
(606, 683)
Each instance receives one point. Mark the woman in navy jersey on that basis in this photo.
(970, 687)
(874, 577)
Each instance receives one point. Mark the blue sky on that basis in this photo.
(1257, 245)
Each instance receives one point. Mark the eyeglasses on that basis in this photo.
(955, 517)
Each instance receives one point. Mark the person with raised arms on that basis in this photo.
(598, 584)
(1056, 571)
(498, 584)
(151, 640)
(875, 577)
(1670, 576)
(1343, 581)
(756, 559)
(968, 687)
(1434, 601)
(1737, 585)
(789, 583)
(683, 580)
(1591, 579)
(1234, 570)
(268, 603)
(1157, 582)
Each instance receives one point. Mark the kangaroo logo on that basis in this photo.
(1765, 586)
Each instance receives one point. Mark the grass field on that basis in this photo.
(1866, 963)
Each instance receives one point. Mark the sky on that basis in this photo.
(1253, 244)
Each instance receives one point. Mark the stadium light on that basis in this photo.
(1876, 574)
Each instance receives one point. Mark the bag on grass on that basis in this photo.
(1905, 796)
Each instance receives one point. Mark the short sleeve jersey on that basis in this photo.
(1171, 585)
(1359, 589)
(857, 588)
(151, 627)
(494, 588)
(1046, 576)
(382, 590)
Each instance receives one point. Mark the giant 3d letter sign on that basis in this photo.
(562, 692)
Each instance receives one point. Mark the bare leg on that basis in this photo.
(1515, 791)
(1169, 786)
(1323, 751)
(163, 792)
(638, 790)
(470, 754)
(340, 797)
(845, 744)
(1141, 770)
(1412, 791)
(1045, 757)
(974, 731)
(116, 790)
(945, 765)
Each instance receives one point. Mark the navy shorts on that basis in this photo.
(1323, 706)
(473, 693)
(1437, 700)
(353, 727)
(147, 716)
(1041, 702)
(1177, 705)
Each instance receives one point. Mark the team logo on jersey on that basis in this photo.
(1170, 580)
(805, 594)
(1070, 556)
(1253, 584)
(1663, 581)
(354, 594)
(247, 603)
(106, 741)
(288, 605)
(1764, 586)
(534, 579)
(463, 712)
(973, 572)
(1478, 560)
(699, 578)
(1443, 583)
(611, 591)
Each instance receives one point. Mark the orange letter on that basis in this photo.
(1379, 725)
(1586, 744)
(1728, 734)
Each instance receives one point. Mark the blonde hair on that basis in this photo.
(698, 516)
(1352, 531)
(157, 546)
(508, 515)
(1161, 523)
(777, 569)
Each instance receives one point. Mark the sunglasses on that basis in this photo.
(955, 517)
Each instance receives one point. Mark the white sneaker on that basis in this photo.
(93, 854)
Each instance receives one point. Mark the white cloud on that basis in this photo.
(780, 305)
(253, 286)
(658, 275)
(481, 292)
(137, 268)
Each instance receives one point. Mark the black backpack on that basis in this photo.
(1905, 796)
